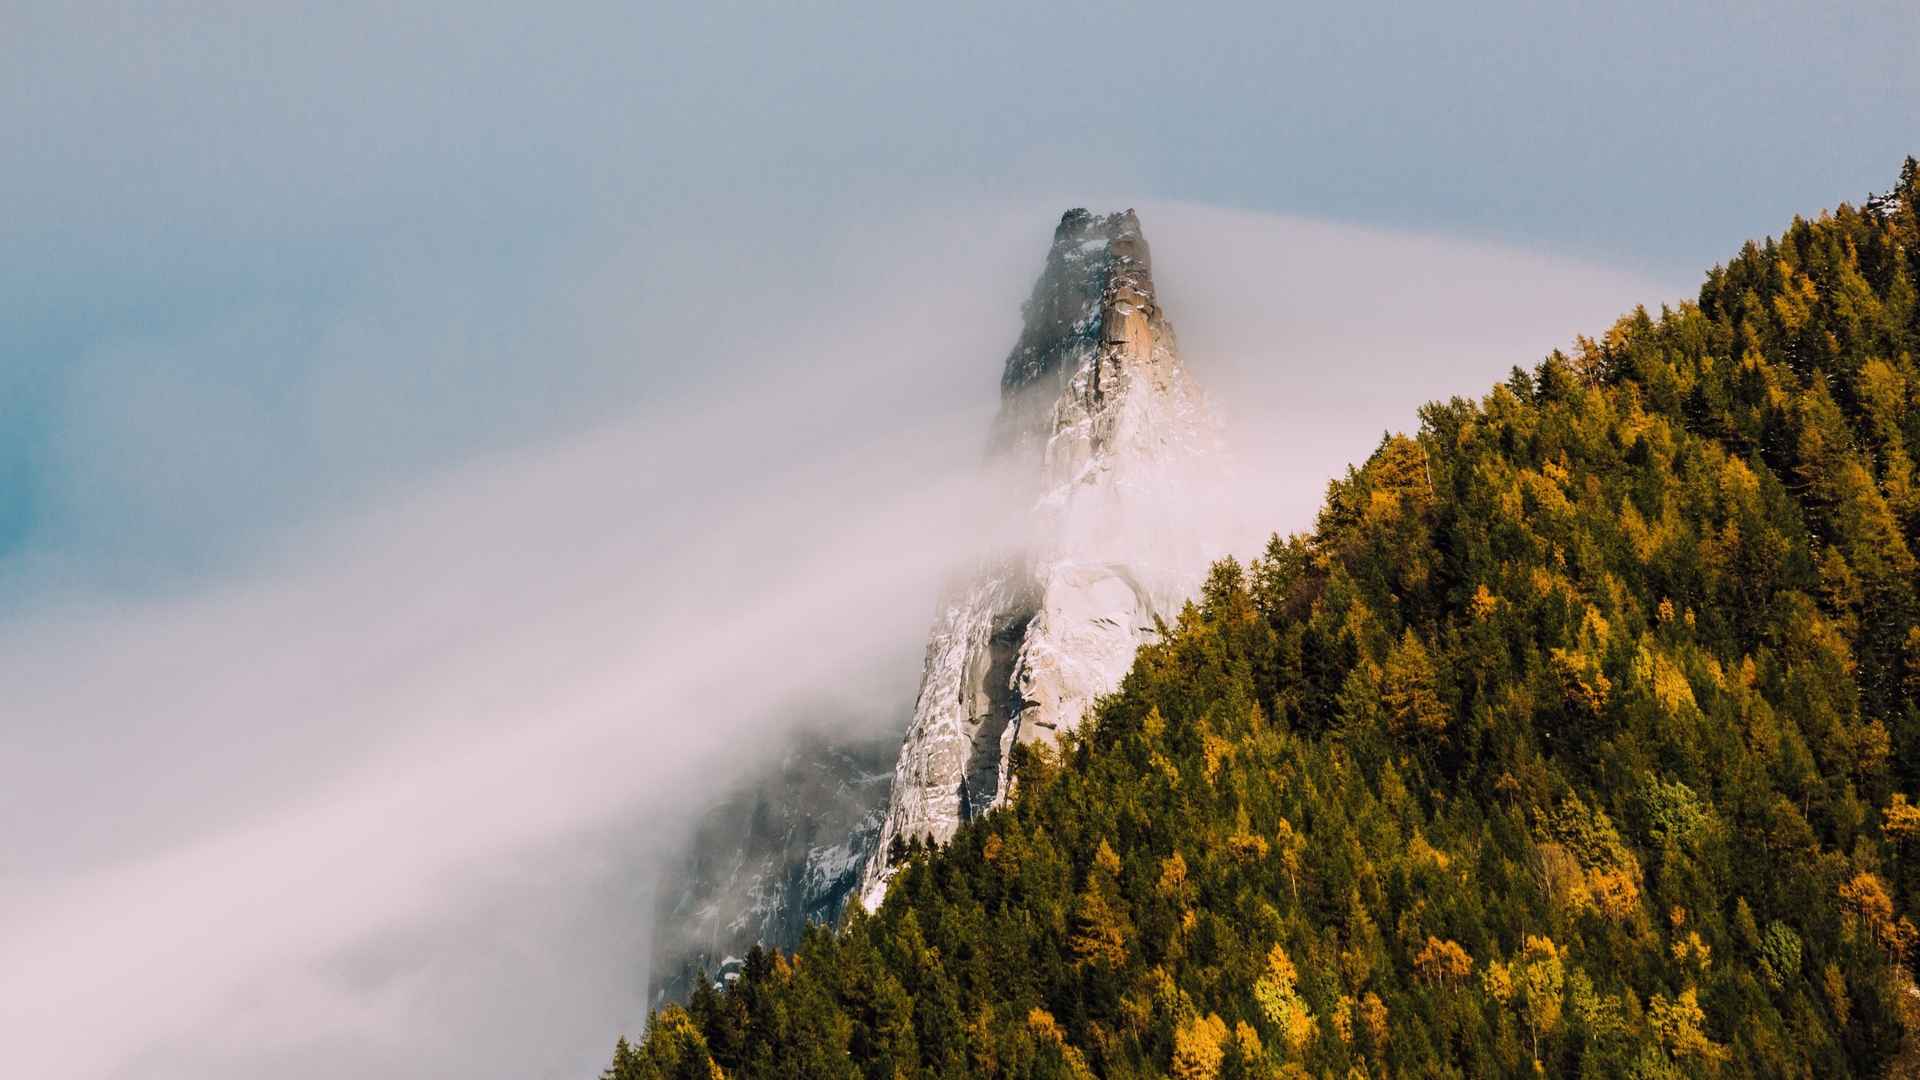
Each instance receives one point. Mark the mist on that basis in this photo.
(394, 799)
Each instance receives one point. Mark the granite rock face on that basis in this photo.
(1097, 409)
(783, 847)
(1106, 441)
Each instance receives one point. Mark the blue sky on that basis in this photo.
(249, 208)
(414, 423)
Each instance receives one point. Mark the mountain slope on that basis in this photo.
(1582, 734)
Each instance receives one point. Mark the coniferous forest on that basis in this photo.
(1581, 734)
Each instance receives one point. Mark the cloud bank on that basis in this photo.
(391, 798)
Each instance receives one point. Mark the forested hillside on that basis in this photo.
(1581, 734)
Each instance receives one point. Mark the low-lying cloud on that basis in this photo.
(391, 798)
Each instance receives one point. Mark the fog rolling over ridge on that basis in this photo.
(1116, 487)
(1129, 496)
(1115, 492)
(396, 800)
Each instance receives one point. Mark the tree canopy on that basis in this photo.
(1581, 734)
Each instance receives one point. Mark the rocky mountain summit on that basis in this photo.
(1111, 447)
(1095, 400)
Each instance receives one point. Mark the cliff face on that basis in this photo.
(1108, 441)
(782, 848)
(1097, 410)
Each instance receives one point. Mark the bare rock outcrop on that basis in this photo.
(1098, 411)
(1107, 443)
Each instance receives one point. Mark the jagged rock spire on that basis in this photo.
(1097, 411)
(1096, 289)
(1107, 439)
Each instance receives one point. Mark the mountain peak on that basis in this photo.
(1097, 424)
(1098, 413)
(1098, 261)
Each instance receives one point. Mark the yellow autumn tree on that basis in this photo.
(1539, 975)
(675, 1046)
(1409, 690)
(1342, 1017)
(1586, 687)
(1900, 821)
(1871, 906)
(1197, 1049)
(1278, 996)
(1101, 927)
(1615, 892)
(1668, 683)
(1442, 962)
(1173, 876)
(1484, 603)
(1291, 846)
(1693, 951)
(1680, 1025)
(1053, 1042)
(1497, 980)
(1398, 476)
(1373, 1017)
(1247, 1041)
(1100, 931)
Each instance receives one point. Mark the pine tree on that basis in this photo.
(1409, 691)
